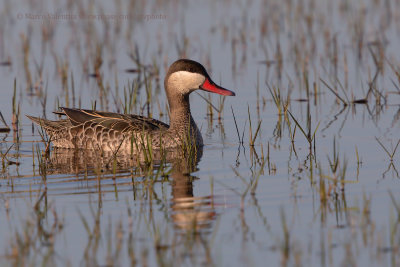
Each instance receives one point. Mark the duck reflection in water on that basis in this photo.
(189, 213)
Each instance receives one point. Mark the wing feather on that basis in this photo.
(115, 121)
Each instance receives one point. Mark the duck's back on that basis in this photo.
(88, 129)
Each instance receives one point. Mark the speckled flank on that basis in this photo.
(105, 131)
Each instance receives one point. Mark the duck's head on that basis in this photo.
(185, 76)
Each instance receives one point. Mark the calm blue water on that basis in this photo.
(233, 226)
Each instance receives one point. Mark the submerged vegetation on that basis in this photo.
(299, 169)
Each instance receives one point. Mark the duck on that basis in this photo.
(107, 131)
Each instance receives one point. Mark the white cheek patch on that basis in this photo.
(185, 81)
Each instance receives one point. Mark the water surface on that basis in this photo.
(273, 201)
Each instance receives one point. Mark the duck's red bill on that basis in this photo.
(210, 86)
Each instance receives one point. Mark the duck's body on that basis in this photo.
(86, 129)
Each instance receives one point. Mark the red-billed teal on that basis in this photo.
(88, 129)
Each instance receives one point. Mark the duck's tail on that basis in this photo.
(49, 125)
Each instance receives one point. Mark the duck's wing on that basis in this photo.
(114, 121)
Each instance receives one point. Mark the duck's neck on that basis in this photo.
(182, 124)
(180, 116)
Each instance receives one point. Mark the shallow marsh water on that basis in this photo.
(268, 203)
